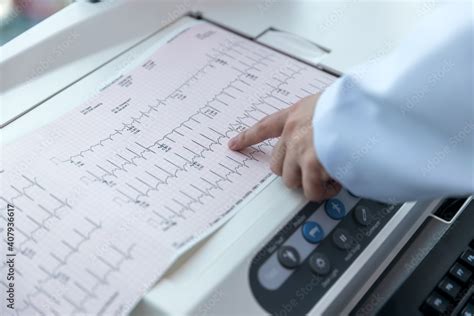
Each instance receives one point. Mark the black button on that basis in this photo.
(319, 263)
(438, 303)
(468, 258)
(449, 287)
(467, 310)
(342, 239)
(460, 273)
(289, 257)
(362, 215)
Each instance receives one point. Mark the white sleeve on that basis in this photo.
(401, 128)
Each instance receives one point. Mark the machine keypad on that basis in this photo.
(451, 289)
(317, 245)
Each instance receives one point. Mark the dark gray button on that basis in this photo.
(362, 215)
(342, 239)
(460, 273)
(468, 258)
(449, 287)
(319, 263)
(437, 303)
(289, 257)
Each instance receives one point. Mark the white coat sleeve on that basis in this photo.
(401, 128)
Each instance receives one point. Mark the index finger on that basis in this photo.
(269, 127)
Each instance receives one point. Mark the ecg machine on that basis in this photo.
(280, 254)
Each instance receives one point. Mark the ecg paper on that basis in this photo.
(106, 197)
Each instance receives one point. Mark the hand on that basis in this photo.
(294, 156)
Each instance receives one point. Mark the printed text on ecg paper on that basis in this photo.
(107, 196)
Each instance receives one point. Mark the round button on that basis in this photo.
(335, 209)
(312, 232)
(319, 264)
(362, 215)
(289, 257)
(342, 239)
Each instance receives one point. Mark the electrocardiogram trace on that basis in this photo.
(41, 222)
(29, 190)
(55, 273)
(171, 167)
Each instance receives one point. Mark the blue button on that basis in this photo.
(335, 209)
(313, 232)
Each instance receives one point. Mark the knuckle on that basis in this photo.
(312, 194)
(275, 166)
(286, 181)
(325, 176)
(293, 108)
(291, 124)
(334, 187)
(279, 152)
(311, 164)
(263, 120)
(261, 131)
(289, 181)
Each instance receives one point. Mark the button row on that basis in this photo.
(318, 262)
(313, 233)
(441, 300)
(289, 257)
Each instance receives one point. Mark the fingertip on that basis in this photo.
(233, 143)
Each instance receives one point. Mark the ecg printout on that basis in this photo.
(106, 197)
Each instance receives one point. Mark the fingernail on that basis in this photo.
(232, 143)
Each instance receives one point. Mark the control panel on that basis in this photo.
(313, 250)
(443, 282)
